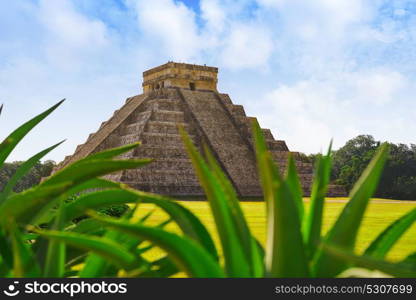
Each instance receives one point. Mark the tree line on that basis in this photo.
(399, 175)
(34, 176)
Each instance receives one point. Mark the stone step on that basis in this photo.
(164, 93)
(179, 164)
(305, 177)
(134, 128)
(301, 168)
(129, 99)
(304, 168)
(168, 116)
(165, 104)
(335, 190)
(238, 110)
(251, 191)
(76, 150)
(280, 155)
(276, 145)
(245, 127)
(225, 98)
(171, 190)
(162, 139)
(114, 176)
(129, 138)
(267, 134)
(165, 127)
(165, 177)
(244, 121)
(161, 152)
(228, 144)
(139, 117)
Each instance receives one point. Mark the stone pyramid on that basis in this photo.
(185, 94)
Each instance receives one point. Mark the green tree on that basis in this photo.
(31, 179)
(398, 180)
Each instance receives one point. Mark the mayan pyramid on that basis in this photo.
(185, 94)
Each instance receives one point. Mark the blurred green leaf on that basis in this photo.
(237, 215)
(24, 263)
(389, 237)
(410, 260)
(47, 213)
(187, 221)
(94, 184)
(403, 269)
(161, 268)
(87, 226)
(187, 254)
(5, 250)
(83, 170)
(190, 225)
(56, 251)
(237, 264)
(97, 266)
(284, 238)
(106, 248)
(7, 146)
(22, 171)
(98, 199)
(344, 232)
(24, 206)
(258, 259)
(295, 187)
(312, 225)
(113, 152)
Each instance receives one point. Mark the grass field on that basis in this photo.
(379, 214)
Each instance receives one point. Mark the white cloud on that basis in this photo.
(172, 29)
(247, 46)
(309, 113)
(71, 56)
(171, 24)
(70, 28)
(378, 87)
(214, 14)
(301, 114)
(332, 17)
(70, 38)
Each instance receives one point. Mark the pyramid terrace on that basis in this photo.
(186, 95)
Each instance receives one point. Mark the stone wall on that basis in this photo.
(180, 75)
(224, 139)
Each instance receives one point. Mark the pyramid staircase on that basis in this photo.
(209, 118)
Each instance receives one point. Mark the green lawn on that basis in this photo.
(379, 214)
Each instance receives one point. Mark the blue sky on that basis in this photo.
(309, 70)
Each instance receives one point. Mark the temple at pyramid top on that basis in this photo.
(181, 75)
(178, 94)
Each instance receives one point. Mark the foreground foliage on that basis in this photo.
(44, 234)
